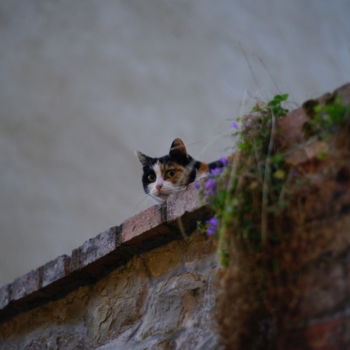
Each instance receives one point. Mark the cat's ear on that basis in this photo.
(178, 148)
(143, 158)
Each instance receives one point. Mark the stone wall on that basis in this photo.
(150, 282)
(160, 299)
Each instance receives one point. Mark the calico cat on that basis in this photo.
(173, 172)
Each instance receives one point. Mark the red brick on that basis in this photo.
(344, 92)
(347, 274)
(140, 224)
(180, 203)
(55, 270)
(327, 335)
(322, 290)
(290, 128)
(25, 285)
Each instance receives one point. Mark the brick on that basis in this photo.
(55, 270)
(290, 128)
(95, 248)
(25, 285)
(310, 151)
(327, 335)
(322, 290)
(344, 92)
(4, 296)
(140, 224)
(347, 274)
(330, 334)
(180, 203)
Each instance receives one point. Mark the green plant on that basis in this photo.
(253, 186)
(259, 204)
(325, 118)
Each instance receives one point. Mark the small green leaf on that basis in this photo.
(277, 158)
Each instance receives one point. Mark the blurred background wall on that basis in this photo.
(85, 83)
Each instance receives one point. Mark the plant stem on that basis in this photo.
(224, 234)
(266, 185)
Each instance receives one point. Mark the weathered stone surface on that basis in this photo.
(322, 295)
(180, 203)
(98, 255)
(161, 259)
(171, 304)
(139, 224)
(307, 152)
(163, 315)
(25, 285)
(95, 248)
(4, 296)
(68, 337)
(290, 127)
(138, 305)
(55, 270)
(118, 302)
(344, 93)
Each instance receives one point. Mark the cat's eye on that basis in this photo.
(170, 173)
(151, 177)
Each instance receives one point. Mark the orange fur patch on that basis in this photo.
(180, 175)
(203, 169)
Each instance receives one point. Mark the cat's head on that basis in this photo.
(168, 174)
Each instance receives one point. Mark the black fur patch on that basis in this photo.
(194, 170)
(216, 164)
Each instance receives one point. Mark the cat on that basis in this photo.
(171, 173)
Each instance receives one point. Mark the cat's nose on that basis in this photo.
(159, 187)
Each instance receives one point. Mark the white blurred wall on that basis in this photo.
(85, 83)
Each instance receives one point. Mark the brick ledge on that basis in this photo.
(97, 256)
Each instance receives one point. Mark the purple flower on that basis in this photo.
(224, 160)
(210, 186)
(215, 171)
(212, 225)
(234, 125)
(294, 172)
(197, 186)
(210, 183)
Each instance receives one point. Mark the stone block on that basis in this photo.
(183, 202)
(25, 285)
(163, 316)
(161, 262)
(4, 296)
(141, 224)
(95, 248)
(55, 270)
